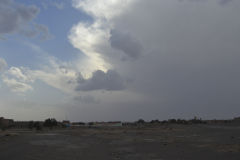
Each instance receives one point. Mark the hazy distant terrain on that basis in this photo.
(163, 142)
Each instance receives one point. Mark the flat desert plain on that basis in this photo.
(159, 142)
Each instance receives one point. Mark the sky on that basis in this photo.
(95, 60)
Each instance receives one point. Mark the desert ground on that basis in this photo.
(161, 142)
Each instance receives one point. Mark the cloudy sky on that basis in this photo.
(95, 60)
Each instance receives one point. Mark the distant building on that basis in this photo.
(107, 124)
(21, 124)
(236, 120)
(66, 123)
(5, 123)
(114, 124)
(77, 124)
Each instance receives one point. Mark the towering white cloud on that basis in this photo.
(89, 38)
(103, 10)
(93, 38)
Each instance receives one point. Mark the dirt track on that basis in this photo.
(191, 142)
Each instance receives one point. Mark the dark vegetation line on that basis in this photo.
(53, 123)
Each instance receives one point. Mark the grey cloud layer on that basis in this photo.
(191, 63)
(16, 17)
(223, 2)
(86, 99)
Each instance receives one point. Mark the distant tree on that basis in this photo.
(172, 121)
(81, 123)
(196, 120)
(2, 127)
(164, 122)
(50, 122)
(154, 121)
(141, 121)
(181, 121)
(31, 125)
(37, 125)
(90, 123)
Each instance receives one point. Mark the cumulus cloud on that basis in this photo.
(53, 72)
(15, 17)
(3, 64)
(61, 76)
(58, 77)
(17, 86)
(18, 79)
(109, 81)
(20, 74)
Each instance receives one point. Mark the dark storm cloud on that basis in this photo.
(15, 17)
(109, 81)
(126, 43)
(191, 57)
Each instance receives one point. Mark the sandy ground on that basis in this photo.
(178, 142)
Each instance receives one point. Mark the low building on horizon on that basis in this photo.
(6, 123)
(66, 123)
(106, 124)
